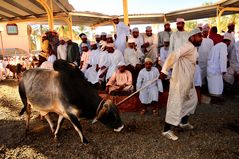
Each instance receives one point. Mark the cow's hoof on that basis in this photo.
(56, 138)
(85, 141)
(119, 129)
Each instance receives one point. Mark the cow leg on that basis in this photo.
(48, 119)
(59, 123)
(75, 122)
(28, 111)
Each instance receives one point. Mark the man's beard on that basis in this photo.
(180, 28)
(197, 44)
(168, 29)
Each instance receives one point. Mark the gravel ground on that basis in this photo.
(216, 134)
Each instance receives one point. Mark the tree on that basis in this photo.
(189, 25)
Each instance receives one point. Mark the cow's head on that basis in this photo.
(109, 116)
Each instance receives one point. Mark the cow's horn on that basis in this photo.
(94, 121)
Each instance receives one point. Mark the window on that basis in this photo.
(12, 29)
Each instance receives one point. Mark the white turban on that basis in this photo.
(92, 43)
(200, 25)
(167, 22)
(205, 27)
(194, 32)
(166, 39)
(103, 33)
(131, 40)
(109, 36)
(135, 29)
(179, 20)
(84, 45)
(148, 60)
(148, 28)
(121, 63)
(227, 36)
(97, 36)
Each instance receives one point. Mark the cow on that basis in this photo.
(66, 92)
(16, 69)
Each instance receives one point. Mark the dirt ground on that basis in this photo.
(216, 134)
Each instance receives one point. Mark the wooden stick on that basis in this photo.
(131, 95)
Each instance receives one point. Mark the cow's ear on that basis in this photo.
(94, 120)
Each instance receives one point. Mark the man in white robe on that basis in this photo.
(114, 56)
(203, 51)
(6, 70)
(149, 95)
(217, 66)
(133, 55)
(150, 46)
(134, 58)
(230, 33)
(122, 33)
(164, 52)
(137, 37)
(85, 57)
(164, 34)
(233, 69)
(182, 99)
(97, 39)
(104, 64)
(93, 65)
(178, 38)
(109, 61)
(45, 64)
(62, 49)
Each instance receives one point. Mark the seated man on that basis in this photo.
(120, 81)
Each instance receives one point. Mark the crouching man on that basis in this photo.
(120, 82)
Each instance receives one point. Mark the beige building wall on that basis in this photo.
(16, 41)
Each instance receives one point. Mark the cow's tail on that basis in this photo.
(23, 96)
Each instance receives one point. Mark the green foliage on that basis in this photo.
(189, 25)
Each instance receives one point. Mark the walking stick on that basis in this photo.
(131, 95)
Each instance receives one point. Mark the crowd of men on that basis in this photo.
(145, 61)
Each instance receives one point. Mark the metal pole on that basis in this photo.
(2, 44)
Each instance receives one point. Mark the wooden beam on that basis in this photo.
(5, 17)
(10, 12)
(37, 4)
(60, 5)
(17, 5)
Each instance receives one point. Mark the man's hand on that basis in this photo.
(122, 87)
(88, 66)
(145, 45)
(103, 67)
(162, 76)
(107, 89)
